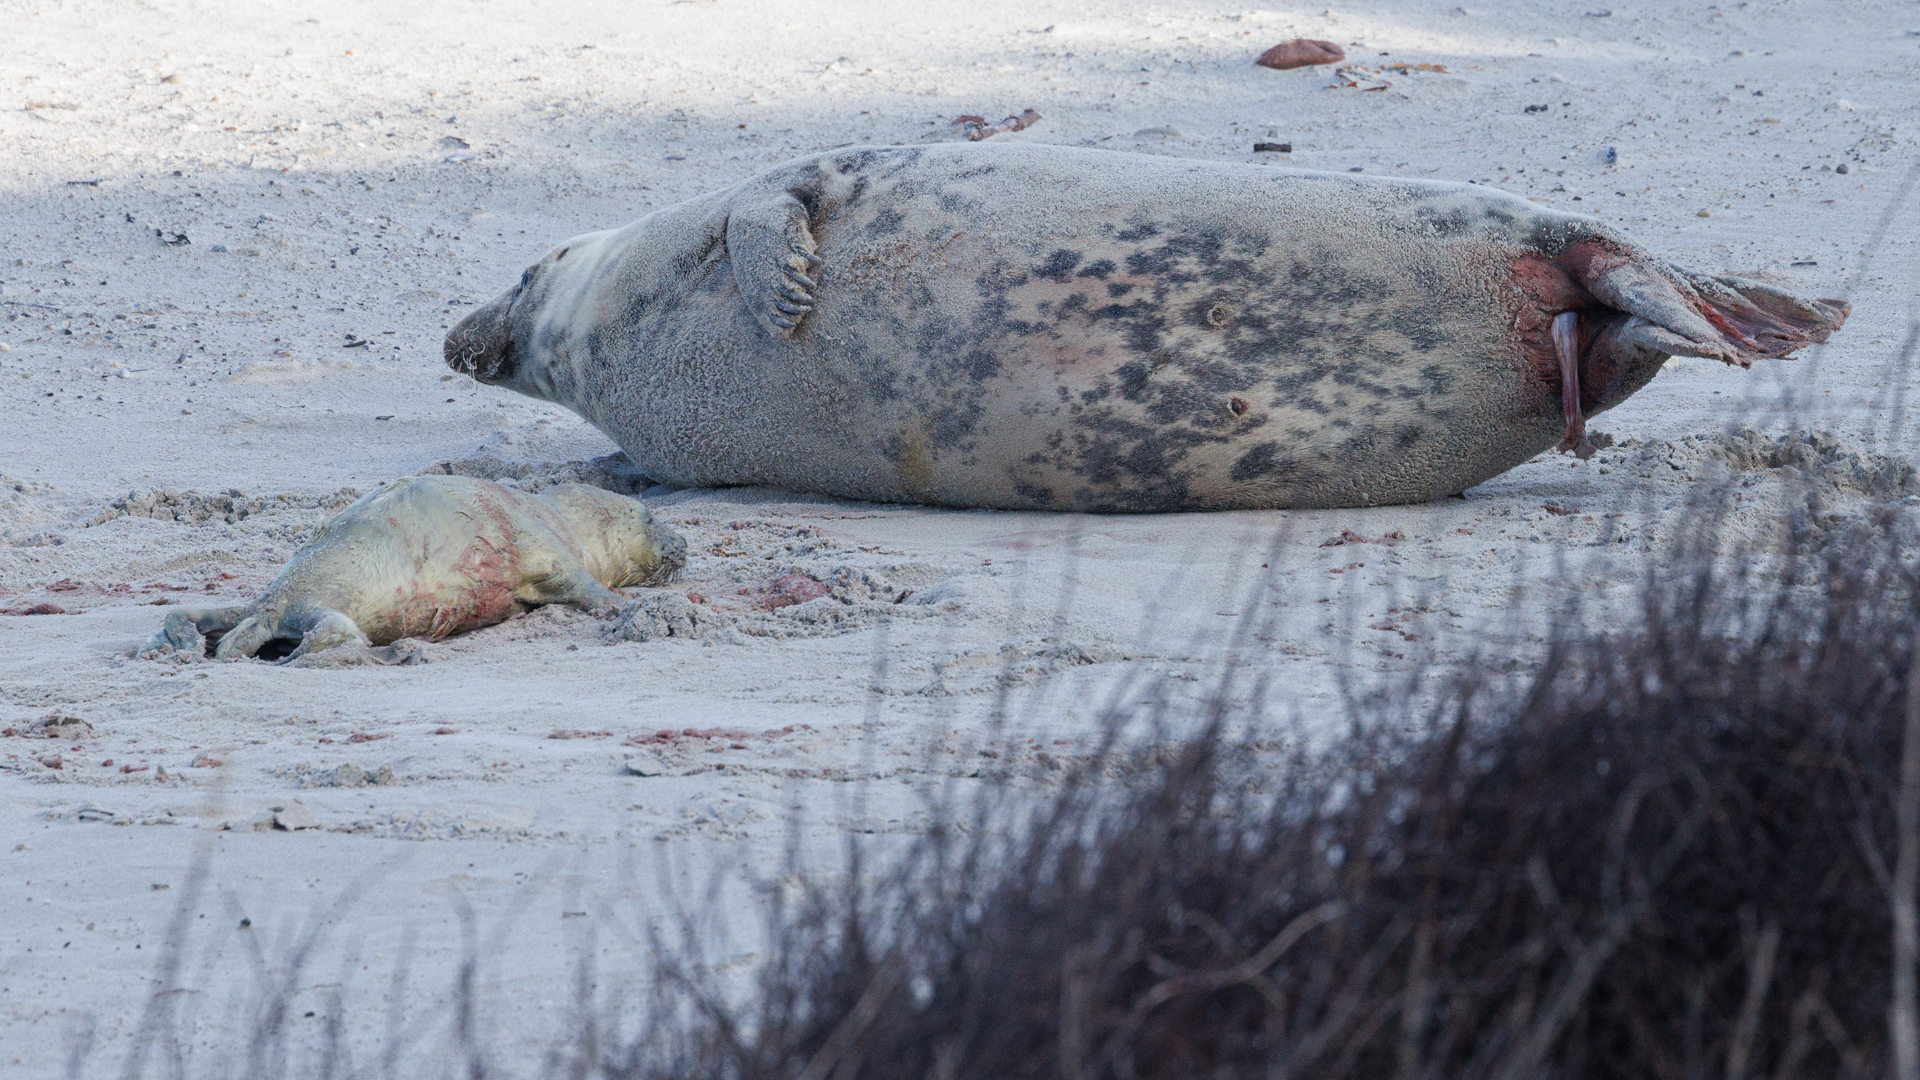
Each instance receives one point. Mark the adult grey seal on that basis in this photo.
(429, 556)
(1045, 327)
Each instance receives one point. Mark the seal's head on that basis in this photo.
(524, 339)
(482, 344)
(620, 543)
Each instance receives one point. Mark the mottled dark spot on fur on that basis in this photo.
(1099, 270)
(1059, 266)
(1117, 289)
(1552, 237)
(993, 286)
(897, 161)
(857, 161)
(1140, 230)
(982, 365)
(1258, 461)
(953, 420)
(1033, 493)
(1203, 253)
(1144, 326)
(1184, 401)
(1452, 222)
(887, 222)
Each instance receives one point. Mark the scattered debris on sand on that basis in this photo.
(54, 725)
(976, 128)
(1359, 78)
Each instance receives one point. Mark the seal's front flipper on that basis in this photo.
(772, 251)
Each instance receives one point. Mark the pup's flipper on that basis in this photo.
(323, 628)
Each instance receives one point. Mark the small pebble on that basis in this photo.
(1704, 213)
(1841, 169)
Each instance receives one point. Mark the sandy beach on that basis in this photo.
(235, 236)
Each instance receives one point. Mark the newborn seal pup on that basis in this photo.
(429, 556)
(1045, 327)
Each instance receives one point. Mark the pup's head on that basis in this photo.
(620, 543)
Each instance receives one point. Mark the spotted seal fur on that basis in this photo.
(1027, 326)
(430, 556)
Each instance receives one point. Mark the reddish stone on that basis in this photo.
(789, 589)
(1301, 52)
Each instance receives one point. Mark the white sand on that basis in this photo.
(374, 169)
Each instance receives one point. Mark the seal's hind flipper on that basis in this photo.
(1764, 321)
(187, 629)
(772, 252)
(1681, 313)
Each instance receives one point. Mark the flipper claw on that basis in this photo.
(770, 245)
